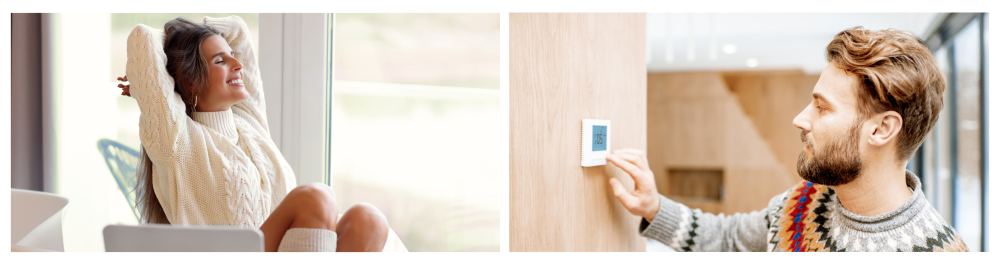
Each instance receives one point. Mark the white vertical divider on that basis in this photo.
(294, 45)
(505, 232)
(290, 84)
(312, 93)
(51, 36)
(269, 55)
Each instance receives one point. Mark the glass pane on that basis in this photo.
(419, 126)
(83, 112)
(938, 145)
(968, 204)
(453, 50)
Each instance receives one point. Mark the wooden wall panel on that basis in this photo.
(565, 68)
(772, 99)
(695, 121)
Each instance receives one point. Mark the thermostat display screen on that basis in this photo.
(594, 142)
(600, 134)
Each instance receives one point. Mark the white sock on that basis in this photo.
(308, 240)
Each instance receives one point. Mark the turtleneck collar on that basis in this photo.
(220, 121)
(895, 218)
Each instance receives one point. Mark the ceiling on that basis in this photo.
(774, 40)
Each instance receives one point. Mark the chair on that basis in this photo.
(122, 161)
(36, 219)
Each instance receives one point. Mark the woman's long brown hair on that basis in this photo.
(187, 65)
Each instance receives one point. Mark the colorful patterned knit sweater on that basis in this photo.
(808, 217)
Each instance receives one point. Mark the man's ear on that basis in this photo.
(887, 127)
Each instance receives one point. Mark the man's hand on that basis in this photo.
(644, 201)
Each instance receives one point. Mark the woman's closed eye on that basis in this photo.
(221, 60)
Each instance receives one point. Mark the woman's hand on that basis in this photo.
(644, 200)
(124, 87)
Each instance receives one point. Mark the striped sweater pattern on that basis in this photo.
(807, 217)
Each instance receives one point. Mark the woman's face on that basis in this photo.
(225, 77)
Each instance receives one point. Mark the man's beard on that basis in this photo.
(838, 163)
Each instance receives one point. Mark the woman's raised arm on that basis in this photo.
(162, 110)
(175, 143)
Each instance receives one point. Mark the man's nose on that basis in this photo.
(801, 121)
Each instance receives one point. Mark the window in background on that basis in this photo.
(951, 158)
(969, 145)
(82, 110)
(936, 169)
(419, 125)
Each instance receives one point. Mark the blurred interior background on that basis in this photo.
(724, 88)
(417, 124)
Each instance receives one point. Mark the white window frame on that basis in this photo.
(293, 63)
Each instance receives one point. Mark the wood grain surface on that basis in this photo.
(772, 99)
(695, 122)
(565, 68)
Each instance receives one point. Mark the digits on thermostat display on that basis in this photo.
(600, 138)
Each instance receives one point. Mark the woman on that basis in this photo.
(207, 152)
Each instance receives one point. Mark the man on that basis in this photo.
(873, 105)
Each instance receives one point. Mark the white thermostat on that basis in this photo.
(595, 142)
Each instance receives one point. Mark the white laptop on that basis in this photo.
(169, 238)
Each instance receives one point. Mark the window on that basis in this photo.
(951, 160)
(419, 125)
(966, 97)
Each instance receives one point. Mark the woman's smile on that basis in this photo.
(238, 81)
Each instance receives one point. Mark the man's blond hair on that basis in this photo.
(895, 71)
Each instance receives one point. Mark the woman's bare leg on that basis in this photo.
(362, 228)
(311, 205)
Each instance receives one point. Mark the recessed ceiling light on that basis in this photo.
(729, 48)
(752, 62)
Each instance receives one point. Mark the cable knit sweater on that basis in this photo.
(213, 168)
(808, 217)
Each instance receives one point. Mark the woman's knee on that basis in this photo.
(317, 206)
(367, 217)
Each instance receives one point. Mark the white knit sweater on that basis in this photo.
(213, 168)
